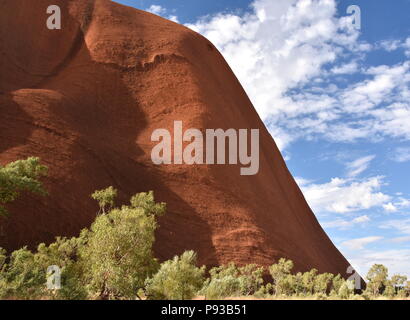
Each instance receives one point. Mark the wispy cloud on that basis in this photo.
(397, 260)
(401, 225)
(358, 166)
(401, 154)
(346, 224)
(360, 243)
(400, 239)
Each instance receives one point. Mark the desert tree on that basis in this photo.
(24, 276)
(346, 290)
(105, 198)
(399, 283)
(322, 283)
(118, 256)
(279, 273)
(250, 278)
(377, 277)
(176, 279)
(20, 176)
(308, 280)
(223, 282)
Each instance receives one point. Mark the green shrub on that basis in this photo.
(346, 290)
(250, 279)
(25, 276)
(264, 291)
(230, 280)
(223, 282)
(177, 279)
(337, 282)
(220, 288)
(322, 283)
(118, 255)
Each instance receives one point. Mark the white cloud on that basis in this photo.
(396, 260)
(390, 45)
(361, 219)
(161, 11)
(173, 18)
(407, 47)
(403, 203)
(360, 243)
(345, 224)
(302, 181)
(402, 226)
(400, 239)
(281, 45)
(399, 203)
(348, 68)
(401, 155)
(358, 166)
(344, 195)
(390, 207)
(395, 44)
(156, 9)
(286, 54)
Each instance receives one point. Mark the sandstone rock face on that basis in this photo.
(86, 99)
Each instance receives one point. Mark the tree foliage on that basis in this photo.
(231, 280)
(105, 197)
(25, 275)
(114, 259)
(111, 260)
(177, 279)
(20, 176)
(118, 256)
(377, 277)
(280, 273)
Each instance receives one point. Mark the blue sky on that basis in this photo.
(337, 101)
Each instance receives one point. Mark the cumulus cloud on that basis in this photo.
(390, 45)
(345, 195)
(348, 68)
(281, 52)
(398, 204)
(281, 45)
(156, 9)
(395, 44)
(390, 207)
